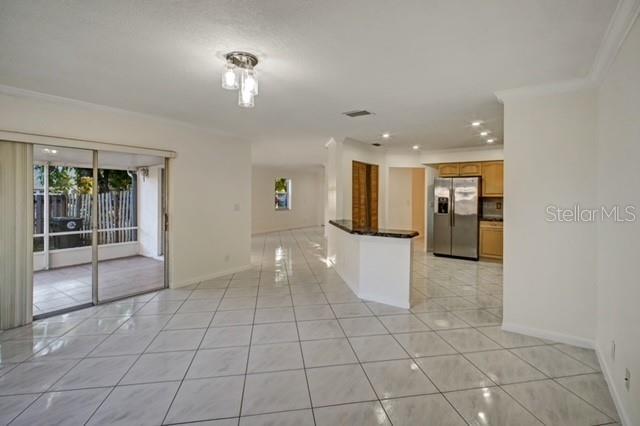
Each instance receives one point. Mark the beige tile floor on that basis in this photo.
(62, 288)
(287, 343)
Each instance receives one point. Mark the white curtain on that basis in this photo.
(16, 234)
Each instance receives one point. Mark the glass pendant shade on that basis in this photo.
(245, 98)
(229, 77)
(249, 81)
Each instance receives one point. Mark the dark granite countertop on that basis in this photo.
(347, 226)
(491, 219)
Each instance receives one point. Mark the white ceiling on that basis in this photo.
(425, 67)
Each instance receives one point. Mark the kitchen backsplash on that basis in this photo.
(492, 207)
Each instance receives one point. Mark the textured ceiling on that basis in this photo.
(426, 68)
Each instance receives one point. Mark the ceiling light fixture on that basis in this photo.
(476, 123)
(484, 133)
(416, 147)
(50, 151)
(239, 74)
(491, 140)
(386, 135)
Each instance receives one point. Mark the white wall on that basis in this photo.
(549, 268)
(210, 222)
(399, 198)
(307, 194)
(578, 282)
(418, 201)
(331, 179)
(619, 243)
(149, 206)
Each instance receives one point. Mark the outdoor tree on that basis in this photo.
(61, 179)
(281, 185)
(114, 180)
(85, 185)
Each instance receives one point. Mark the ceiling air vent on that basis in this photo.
(376, 144)
(358, 113)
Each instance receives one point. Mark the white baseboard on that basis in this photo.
(549, 335)
(286, 228)
(386, 302)
(606, 372)
(583, 343)
(211, 276)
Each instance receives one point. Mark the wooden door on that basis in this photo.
(372, 195)
(364, 194)
(359, 194)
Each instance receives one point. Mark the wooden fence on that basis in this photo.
(116, 210)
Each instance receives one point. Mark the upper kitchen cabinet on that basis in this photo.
(448, 170)
(492, 179)
(469, 169)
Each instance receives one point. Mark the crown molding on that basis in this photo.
(75, 103)
(622, 20)
(544, 89)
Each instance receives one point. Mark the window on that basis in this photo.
(67, 209)
(283, 194)
(38, 207)
(69, 206)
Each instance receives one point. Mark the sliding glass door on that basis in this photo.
(130, 232)
(99, 231)
(62, 234)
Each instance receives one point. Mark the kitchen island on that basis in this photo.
(374, 262)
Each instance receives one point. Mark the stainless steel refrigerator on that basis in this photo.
(455, 226)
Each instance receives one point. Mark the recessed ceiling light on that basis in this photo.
(416, 147)
(484, 133)
(386, 135)
(491, 140)
(476, 123)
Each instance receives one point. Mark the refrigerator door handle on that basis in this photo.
(453, 205)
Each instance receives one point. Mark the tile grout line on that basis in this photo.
(138, 356)
(304, 367)
(64, 374)
(355, 354)
(195, 353)
(246, 369)
(305, 253)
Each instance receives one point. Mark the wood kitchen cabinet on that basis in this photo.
(491, 240)
(492, 179)
(448, 170)
(470, 169)
(492, 173)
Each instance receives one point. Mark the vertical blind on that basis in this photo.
(16, 234)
